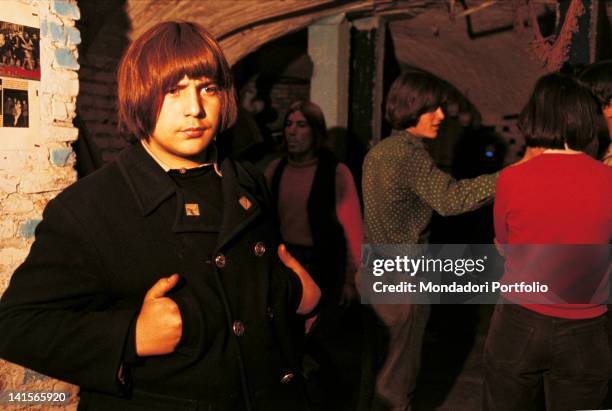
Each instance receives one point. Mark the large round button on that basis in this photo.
(238, 328)
(220, 260)
(287, 378)
(260, 249)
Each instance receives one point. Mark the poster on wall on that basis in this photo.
(19, 51)
(15, 103)
(20, 75)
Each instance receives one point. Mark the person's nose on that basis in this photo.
(290, 130)
(192, 102)
(440, 113)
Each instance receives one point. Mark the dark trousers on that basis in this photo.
(526, 351)
(405, 325)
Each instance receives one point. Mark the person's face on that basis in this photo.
(188, 121)
(299, 135)
(17, 107)
(428, 124)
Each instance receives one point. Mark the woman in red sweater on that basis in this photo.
(560, 197)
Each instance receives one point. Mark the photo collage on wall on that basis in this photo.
(15, 104)
(19, 62)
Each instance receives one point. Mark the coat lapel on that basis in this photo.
(149, 184)
(240, 207)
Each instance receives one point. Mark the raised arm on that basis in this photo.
(441, 191)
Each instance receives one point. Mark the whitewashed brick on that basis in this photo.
(7, 228)
(17, 204)
(59, 134)
(12, 160)
(58, 108)
(42, 182)
(11, 256)
(8, 184)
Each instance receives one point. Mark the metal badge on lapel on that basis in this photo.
(245, 202)
(192, 209)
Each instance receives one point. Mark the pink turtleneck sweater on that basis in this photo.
(295, 185)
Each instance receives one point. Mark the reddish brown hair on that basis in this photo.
(156, 61)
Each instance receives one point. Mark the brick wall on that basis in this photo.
(34, 168)
(105, 27)
(282, 94)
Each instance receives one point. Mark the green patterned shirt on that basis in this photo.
(402, 186)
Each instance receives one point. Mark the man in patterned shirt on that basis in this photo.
(401, 187)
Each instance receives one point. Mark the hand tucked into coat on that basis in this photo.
(159, 325)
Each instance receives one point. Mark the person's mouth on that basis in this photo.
(194, 132)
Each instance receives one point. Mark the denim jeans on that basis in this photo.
(526, 351)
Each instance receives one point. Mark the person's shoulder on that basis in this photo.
(516, 170)
(271, 167)
(343, 172)
(514, 174)
(597, 165)
(599, 169)
(93, 188)
(393, 147)
(344, 177)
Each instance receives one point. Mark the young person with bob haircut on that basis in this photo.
(560, 197)
(402, 187)
(155, 283)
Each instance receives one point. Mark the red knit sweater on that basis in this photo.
(555, 198)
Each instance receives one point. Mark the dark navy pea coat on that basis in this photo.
(103, 242)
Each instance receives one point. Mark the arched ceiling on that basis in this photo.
(243, 26)
(491, 65)
(485, 66)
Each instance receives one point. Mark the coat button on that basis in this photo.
(287, 378)
(260, 249)
(269, 313)
(220, 260)
(238, 328)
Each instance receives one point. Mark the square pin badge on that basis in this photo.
(245, 202)
(192, 209)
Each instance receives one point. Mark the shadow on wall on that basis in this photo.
(104, 26)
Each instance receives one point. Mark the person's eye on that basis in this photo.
(173, 91)
(302, 124)
(210, 89)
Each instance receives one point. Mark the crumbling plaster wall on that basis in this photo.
(36, 169)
